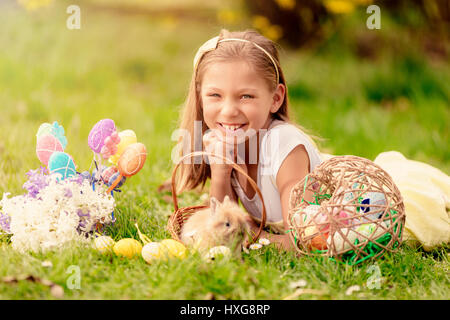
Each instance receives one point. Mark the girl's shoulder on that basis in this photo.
(279, 140)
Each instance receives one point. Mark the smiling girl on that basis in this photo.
(238, 98)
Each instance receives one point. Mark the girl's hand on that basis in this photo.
(214, 145)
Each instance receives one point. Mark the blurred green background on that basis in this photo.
(362, 91)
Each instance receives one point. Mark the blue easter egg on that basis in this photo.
(58, 133)
(373, 198)
(114, 177)
(62, 163)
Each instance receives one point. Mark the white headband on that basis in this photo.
(212, 44)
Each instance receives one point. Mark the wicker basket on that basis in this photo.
(180, 215)
(348, 209)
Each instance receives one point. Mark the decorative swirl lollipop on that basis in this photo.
(127, 137)
(110, 147)
(101, 130)
(130, 162)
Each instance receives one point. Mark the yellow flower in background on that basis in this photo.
(260, 22)
(339, 6)
(362, 2)
(169, 22)
(274, 32)
(286, 4)
(34, 4)
(271, 31)
(227, 16)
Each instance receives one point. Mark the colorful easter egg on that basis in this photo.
(114, 177)
(110, 147)
(62, 163)
(370, 230)
(377, 199)
(308, 213)
(107, 173)
(319, 242)
(132, 159)
(104, 244)
(341, 242)
(296, 219)
(173, 248)
(58, 133)
(127, 247)
(315, 239)
(152, 251)
(46, 146)
(343, 218)
(101, 130)
(127, 137)
(44, 129)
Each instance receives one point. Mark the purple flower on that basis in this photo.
(37, 180)
(68, 193)
(78, 178)
(80, 213)
(5, 221)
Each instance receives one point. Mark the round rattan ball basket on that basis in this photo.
(349, 209)
(180, 215)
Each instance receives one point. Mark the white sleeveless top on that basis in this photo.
(275, 145)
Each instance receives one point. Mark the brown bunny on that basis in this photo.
(221, 224)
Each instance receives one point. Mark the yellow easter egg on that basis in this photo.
(104, 244)
(127, 137)
(309, 231)
(152, 251)
(173, 248)
(127, 247)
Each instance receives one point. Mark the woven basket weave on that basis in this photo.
(180, 215)
(348, 208)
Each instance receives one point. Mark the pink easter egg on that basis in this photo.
(46, 146)
(132, 159)
(108, 173)
(101, 130)
(343, 217)
(115, 137)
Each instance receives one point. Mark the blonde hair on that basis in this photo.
(192, 174)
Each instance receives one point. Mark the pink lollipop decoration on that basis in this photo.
(101, 130)
(46, 146)
(130, 162)
(108, 173)
(110, 147)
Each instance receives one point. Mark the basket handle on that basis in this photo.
(235, 166)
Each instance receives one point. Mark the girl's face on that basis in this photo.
(237, 101)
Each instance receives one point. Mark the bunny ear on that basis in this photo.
(213, 203)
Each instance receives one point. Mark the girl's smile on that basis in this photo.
(236, 100)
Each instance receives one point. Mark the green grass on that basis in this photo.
(136, 70)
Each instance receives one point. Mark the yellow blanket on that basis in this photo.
(426, 196)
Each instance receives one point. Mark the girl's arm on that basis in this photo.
(294, 168)
(220, 184)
